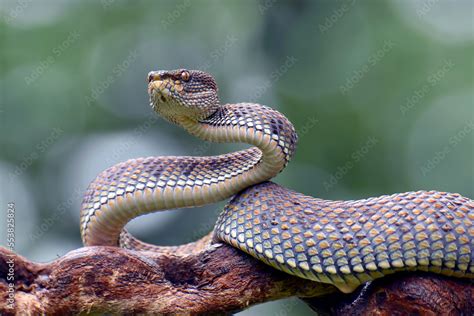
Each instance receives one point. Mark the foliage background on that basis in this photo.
(381, 93)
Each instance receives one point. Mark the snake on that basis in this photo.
(343, 243)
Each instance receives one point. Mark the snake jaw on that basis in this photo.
(153, 87)
(182, 96)
(160, 87)
(161, 92)
(165, 101)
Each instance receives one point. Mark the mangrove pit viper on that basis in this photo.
(344, 243)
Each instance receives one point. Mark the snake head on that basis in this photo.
(182, 94)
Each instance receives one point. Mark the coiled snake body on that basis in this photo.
(344, 243)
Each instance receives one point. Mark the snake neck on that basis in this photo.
(145, 185)
(272, 134)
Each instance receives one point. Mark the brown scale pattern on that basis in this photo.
(156, 173)
(350, 242)
(260, 118)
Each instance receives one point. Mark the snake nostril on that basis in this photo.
(150, 77)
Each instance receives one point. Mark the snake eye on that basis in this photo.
(185, 76)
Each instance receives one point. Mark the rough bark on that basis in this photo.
(219, 280)
(402, 294)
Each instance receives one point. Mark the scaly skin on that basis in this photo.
(344, 243)
(347, 243)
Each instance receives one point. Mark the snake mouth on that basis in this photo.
(155, 87)
(159, 92)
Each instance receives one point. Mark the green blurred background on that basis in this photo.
(381, 93)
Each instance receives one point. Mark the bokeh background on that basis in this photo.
(381, 93)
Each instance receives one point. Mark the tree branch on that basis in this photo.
(115, 280)
(216, 280)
